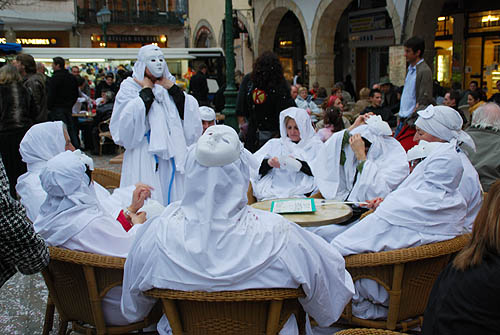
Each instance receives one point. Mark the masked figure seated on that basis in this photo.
(212, 241)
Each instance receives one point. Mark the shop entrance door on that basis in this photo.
(483, 62)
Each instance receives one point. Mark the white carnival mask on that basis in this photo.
(155, 62)
(218, 146)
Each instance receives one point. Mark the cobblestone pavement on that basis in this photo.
(23, 298)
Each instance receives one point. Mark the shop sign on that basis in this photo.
(375, 38)
(133, 38)
(32, 41)
(368, 20)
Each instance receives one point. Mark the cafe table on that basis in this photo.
(327, 212)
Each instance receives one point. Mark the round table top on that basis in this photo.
(325, 214)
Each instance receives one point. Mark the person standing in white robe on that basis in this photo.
(42, 142)
(72, 218)
(444, 124)
(208, 117)
(212, 241)
(359, 164)
(155, 121)
(426, 208)
(285, 170)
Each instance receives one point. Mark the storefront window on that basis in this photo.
(443, 62)
(484, 21)
(444, 26)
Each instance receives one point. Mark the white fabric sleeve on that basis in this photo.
(320, 269)
(375, 181)
(128, 121)
(192, 120)
(103, 236)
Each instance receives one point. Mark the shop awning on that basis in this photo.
(9, 48)
(90, 55)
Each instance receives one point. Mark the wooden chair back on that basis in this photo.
(77, 283)
(408, 276)
(367, 331)
(255, 311)
(107, 179)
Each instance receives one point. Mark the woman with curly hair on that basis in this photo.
(263, 94)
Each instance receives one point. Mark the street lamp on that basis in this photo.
(103, 18)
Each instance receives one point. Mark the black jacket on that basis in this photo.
(35, 83)
(264, 116)
(103, 85)
(384, 112)
(17, 109)
(63, 90)
(198, 88)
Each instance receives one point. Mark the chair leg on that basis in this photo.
(63, 326)
(49, 316)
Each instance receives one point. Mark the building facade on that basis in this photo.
(39, 23)
(205, 28)
(133, 23)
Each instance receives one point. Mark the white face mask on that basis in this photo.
(218, 146)
(155, 62)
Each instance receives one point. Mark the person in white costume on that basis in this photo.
(155, 121)
(42, 142)
(359, 164)
(350, 169)
(444, 124)
(212, 241)
(208, 116)
(72, 218)
(426, 208)
(284, 170)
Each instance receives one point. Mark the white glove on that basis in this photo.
(290, 163)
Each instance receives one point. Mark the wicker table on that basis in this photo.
(325, 214)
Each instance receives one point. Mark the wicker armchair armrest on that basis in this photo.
(86, 258)
(220, 296)
(408, 254)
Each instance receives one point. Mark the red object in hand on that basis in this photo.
(126, 224)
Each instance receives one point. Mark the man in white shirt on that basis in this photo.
(212, 241)
(417, 92)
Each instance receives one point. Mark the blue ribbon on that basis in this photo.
(171, 180)
(148, 137)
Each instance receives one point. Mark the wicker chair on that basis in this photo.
(107, 179)
(407, 274)
(77, 283)
(367, 331)
(256, 311)
(104, 133)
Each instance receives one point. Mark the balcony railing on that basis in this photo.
(86, 15)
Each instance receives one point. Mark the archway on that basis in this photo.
(336, 51)
(422, 21)
(289, 45)
(269, 21)
(204, 35)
